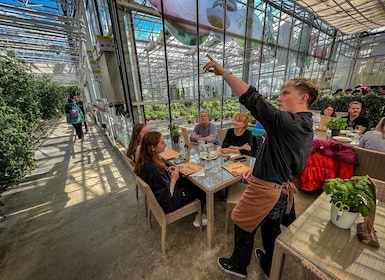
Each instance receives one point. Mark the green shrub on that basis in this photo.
(16, 151)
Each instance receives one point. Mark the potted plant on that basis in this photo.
(335, 125)
(349, 198)
(174, 132)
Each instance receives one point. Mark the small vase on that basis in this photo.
(335, 132)
(175, 139)
(344, 220)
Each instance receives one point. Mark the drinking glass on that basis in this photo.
(328, 134)
(182, 149)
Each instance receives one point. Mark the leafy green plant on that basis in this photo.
(336, 123)
(356, 193)
(174, 129)
(16, 151)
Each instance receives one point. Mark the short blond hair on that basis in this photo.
(305, 86)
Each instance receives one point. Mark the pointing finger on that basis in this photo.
(209, 57)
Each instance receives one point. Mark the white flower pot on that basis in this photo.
(344, 220)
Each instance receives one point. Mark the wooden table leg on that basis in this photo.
(277, 263)
(210, 219)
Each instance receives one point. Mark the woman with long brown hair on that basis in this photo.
(138, 131)
(171, 190)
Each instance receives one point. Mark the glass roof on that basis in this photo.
(42, 30)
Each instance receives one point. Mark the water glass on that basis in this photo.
(328, 134)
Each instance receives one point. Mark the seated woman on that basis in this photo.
(205, 130)
(138, 131)
(238, 140)
(374, 140)
(171, 190)
(328, 110)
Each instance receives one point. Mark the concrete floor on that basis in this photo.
(76, 217)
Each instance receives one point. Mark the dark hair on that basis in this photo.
(135, 139)
(146, 152)
(338, 91)
(329, 105)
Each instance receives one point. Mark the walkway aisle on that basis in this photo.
(76, 217)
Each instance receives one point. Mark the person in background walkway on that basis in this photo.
(353, 119)
(75, 117)
(138, 131)
(205, 130)
(374, 140)
(238, 140)
(328, 110)
(282, 155)
(81, 105)
(171, 190)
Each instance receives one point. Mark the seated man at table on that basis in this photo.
(354, 119)
(171, 191)
(205, 130)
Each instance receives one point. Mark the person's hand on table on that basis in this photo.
(195, 135)
(225, 151)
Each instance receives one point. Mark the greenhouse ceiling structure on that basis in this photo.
(52, 31)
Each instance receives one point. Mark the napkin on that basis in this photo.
(200, 173)
(169, 154)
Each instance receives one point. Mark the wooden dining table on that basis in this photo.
(215, 178)
(312, 247)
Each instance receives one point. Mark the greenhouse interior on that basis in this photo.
(144, 64)
(142, 61)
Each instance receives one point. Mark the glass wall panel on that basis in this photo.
(265, 44)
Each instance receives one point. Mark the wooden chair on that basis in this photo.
(234, 194)
(131, 166)
(165, 219)
(370, 163)
(221, 134)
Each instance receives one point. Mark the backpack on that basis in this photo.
(74, 112)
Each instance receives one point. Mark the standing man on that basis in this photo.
(80, 104)
(205, 130)
(283, 154)
(353, 119)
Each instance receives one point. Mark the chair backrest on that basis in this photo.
(370, 163)
(221, 134)
(155, 207)
(323, 121)
(186, 138)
